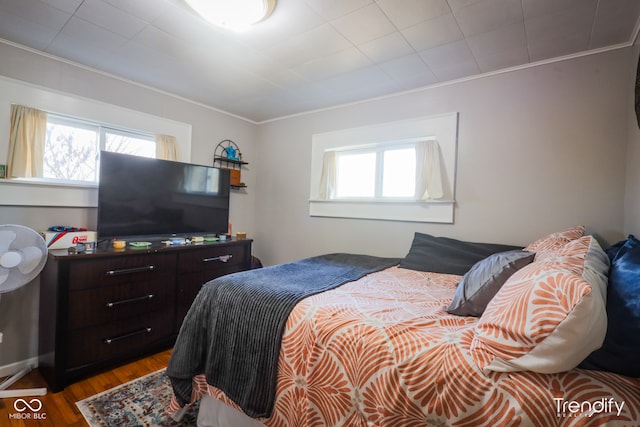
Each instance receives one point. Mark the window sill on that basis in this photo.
(438, 211)
(39, 192)
(376, 201)
(50, 182)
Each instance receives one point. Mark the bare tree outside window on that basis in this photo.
(127, 144)
(70, 153)
(72, 148)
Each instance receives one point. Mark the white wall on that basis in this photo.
(539, 149)
(632, 199)
(208, 128)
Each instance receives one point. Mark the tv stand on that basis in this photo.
(110, 306)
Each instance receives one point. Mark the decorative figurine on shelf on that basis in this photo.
(230, 153)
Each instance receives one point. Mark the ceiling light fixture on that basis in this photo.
(236, 15)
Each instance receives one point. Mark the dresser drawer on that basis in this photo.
(91, 307)
(214, 257)
(86, 274)
(118, 338)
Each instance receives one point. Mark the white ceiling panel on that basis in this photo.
(612, 23)
(290, 17)
(86, 36)
(335, 64)
(407, 13)
(104, 15)
(27, 33)
(386, 48)
(36, 12)
(559, 33)
(410, 67)
(503, 39)
(434, 32)
(503, 59)
(332, 9)
(147, 10)
(451, 61)
(485, 15)
(312, 54)
(532, 8)
(364, 24)
(68, 6)
(296, 50)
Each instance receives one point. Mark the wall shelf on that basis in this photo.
(229, 161)
(227, 155)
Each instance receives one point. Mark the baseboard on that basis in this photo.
(8, 370)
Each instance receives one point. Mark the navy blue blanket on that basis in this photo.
(233, 330)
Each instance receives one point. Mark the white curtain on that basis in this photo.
(26, 142)
(328, 177)
(428, 171)
(166, 147)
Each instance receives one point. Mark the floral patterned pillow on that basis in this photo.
(555, 241)
(548, 316)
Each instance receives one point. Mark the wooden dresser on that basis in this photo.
(103, 308)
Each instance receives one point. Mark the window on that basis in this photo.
(400, 171)
(379, 172)
(72, 147)
(33, 191)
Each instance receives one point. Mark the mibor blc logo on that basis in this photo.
(28, 410)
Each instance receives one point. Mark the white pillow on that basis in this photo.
(549, 316)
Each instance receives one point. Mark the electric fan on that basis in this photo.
(23, 254)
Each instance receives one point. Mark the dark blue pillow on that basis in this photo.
(620, 352)
(612, 250)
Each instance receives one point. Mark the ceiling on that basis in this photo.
(314, 54)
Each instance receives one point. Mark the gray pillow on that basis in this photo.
(479, 285)
(446, 255)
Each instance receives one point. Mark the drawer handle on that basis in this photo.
(146, 330)
(130, 270)
(127, 301)
(221, 258)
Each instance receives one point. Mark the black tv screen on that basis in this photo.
(138, 196)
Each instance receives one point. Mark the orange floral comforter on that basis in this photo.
(381, 351)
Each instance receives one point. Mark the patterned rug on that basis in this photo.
(141, 402)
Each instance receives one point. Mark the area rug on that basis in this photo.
(141, 402)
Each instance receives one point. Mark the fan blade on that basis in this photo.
(4, 273)
(32, 256)
(6, 238)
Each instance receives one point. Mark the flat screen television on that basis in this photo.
(139, 196)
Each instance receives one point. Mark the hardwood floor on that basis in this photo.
(59, 409)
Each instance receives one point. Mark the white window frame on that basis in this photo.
(443, 128)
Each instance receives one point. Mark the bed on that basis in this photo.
(454, 334)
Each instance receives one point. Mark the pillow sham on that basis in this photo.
(556, 240)
(484, 280)
(549, 315)
(620, 352)
(446, 255)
